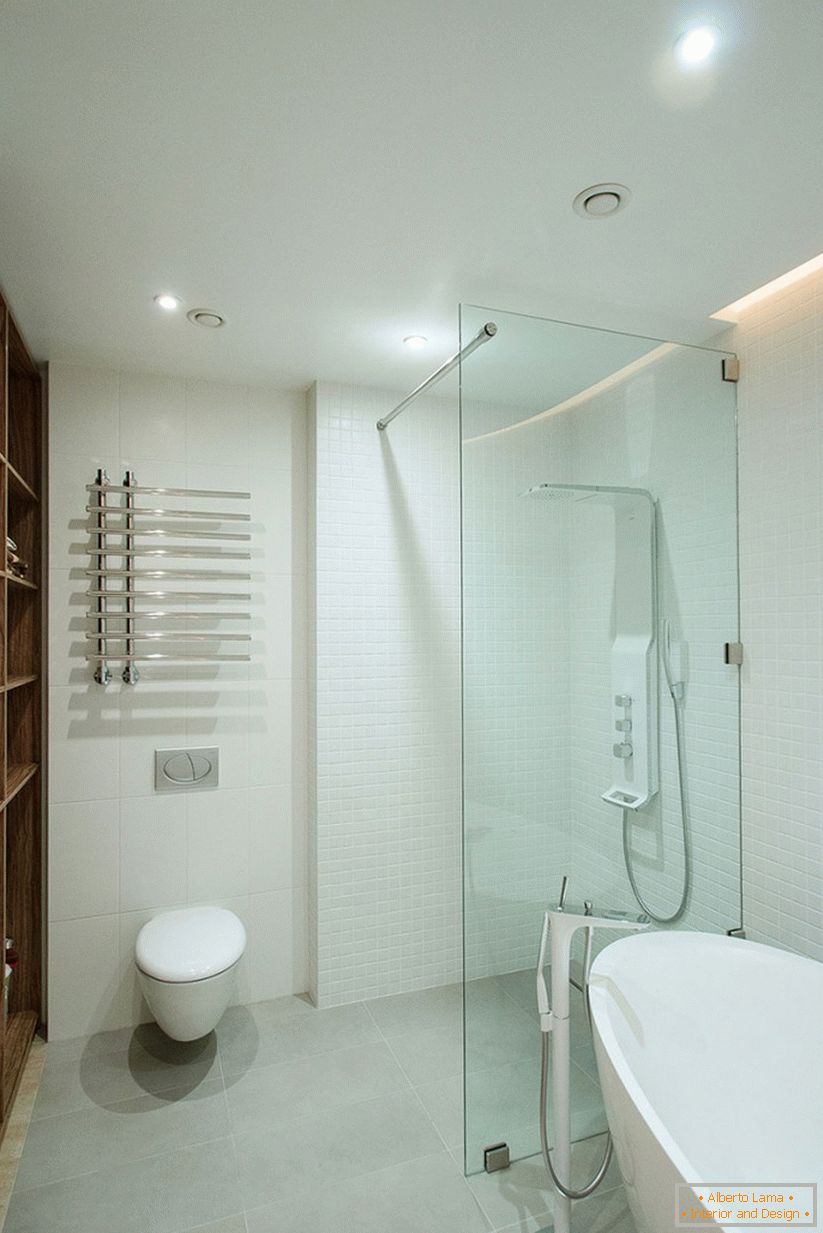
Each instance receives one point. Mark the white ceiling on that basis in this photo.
(333, 176)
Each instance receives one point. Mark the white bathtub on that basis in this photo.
(710, 1052)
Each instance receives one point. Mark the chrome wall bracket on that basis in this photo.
(172, 619)
(496, 1157)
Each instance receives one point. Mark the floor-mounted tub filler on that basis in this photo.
(708, 1050)
(560, 928)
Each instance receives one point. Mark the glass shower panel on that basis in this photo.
(599, 475)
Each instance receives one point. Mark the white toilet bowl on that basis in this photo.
(187, 962)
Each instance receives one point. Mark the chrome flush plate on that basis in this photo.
(186, 770)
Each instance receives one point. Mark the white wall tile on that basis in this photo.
(152, 417)
(780, 343)
(386, 819)
(277, 943)
(152, 851)
(84, 747)
(277, 840)
(84, 860)
(174, 433)
(88, 417)
(217, 423)
(84, 991)
(218, 843)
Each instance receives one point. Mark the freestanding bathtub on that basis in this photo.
(710, 1052)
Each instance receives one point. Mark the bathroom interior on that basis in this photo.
(411, 466)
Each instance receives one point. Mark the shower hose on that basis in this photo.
(676, 690)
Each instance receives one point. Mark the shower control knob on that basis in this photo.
(623, 725)
(623, 750)
(624, 700)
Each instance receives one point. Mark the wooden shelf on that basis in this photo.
(22, 668)
(20, 1029)
(20, 582)
(19, 486)
(14, 682)
(17, 776)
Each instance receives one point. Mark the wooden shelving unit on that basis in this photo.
(22, 701)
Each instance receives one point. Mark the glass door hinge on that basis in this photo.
(733, 653)
(731, 368)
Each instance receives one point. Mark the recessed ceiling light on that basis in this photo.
(415, 341)
(697, 44)
(206, 317)
(601, 200)
(167, 302)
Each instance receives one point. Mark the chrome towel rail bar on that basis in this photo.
(166, 615)
(173, 515)
(119, 536)
(169, 492)
(205, 554)
(166, 532)
(177, 596)
(157, 635)
(133, 659)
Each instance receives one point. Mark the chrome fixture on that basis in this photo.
(559, 928)
(485, 335)
(115, 590)
(179, 770)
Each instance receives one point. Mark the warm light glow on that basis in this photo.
(697, 44)
(167, 302)
(415, 341)
(733, 312)
(592, 391)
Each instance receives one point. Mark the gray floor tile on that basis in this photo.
(603, 1213)
(425, 1196)
(103, 1136)
(425, 1010)
(268, 1096)
(262, 1035)
(520, 1195)
(162, 1194)
(148, 1063)
(341, 1143)
(234, 1224)
(444, 1104)
(429, 1056)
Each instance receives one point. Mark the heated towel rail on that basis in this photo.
(133, 561)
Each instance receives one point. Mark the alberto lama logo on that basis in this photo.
(736, 1206)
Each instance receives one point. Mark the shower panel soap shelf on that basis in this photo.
(119, 534)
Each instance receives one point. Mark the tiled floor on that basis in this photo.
(287, 1120)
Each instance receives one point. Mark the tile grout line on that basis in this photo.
(428, 1117)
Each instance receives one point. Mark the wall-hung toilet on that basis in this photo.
(187, 961)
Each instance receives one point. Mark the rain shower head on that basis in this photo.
(560, 492)
(584, 492)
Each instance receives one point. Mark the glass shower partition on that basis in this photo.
(600, 586)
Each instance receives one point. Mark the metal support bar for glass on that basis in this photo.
(486, 334)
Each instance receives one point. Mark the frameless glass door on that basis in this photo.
(599, 475)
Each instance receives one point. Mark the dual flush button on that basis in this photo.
(177, 770)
